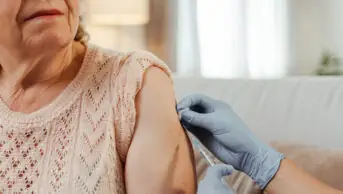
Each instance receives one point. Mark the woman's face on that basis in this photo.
(33, 25)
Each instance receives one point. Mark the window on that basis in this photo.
(235, 38)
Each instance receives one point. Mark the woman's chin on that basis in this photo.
(50, 35)
(47, 42)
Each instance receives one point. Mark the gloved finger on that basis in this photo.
(219, 171)
(195, 100)
(212, 144)
(217, 149)
(196, 119)
(223, 153)
(199, 133)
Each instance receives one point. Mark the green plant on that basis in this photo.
(330, 64)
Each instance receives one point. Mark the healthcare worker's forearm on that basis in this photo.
(291, 179)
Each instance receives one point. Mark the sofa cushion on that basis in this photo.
(324, 164)
(294, 109)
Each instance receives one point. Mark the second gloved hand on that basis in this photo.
(213, 183)
(217, 126)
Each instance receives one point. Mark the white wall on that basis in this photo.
(119, 37)
(334, 33)
(125, 38)
(315, 25)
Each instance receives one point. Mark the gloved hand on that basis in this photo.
(217, 126)
(212, 183)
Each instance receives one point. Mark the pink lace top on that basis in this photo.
(78, 143)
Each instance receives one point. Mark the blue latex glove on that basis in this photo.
(217, 126)
(213, 183)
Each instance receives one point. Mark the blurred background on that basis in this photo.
(225, 38)
(276, 62)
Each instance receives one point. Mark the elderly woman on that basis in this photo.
(77, 119)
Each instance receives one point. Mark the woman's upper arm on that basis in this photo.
(160, 157)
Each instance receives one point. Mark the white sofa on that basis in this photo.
(296, 113)
(307, 110)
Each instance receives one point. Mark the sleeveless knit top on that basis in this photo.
(79, 142)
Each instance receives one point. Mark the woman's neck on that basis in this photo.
(21, 73)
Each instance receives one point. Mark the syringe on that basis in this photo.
(202, 152)
(200, 148)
